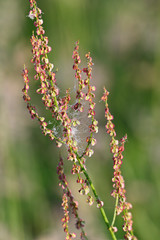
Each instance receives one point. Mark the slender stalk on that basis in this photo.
(115, 210)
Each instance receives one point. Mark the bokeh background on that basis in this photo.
(124, 40)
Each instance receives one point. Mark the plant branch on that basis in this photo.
(115, 211)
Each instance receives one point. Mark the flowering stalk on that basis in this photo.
(59, 108)
(69, 199)
(117, 148)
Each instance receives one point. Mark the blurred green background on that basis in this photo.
(124, 40)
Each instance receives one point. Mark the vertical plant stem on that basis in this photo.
(115, 210)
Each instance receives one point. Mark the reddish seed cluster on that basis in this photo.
(43, 67)
(127, 227)
(69, 202)
(89, 95)
(117, 148)
(65, 219)
(68, 126)
(78, 106)
(44, 73)
(32, 110)
(26, 97)
(86, 96)
(99, 203)
(91, 112)
(85, 189)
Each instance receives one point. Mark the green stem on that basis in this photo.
(115, 209)
(109, 227)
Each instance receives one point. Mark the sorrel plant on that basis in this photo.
(60, 110)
